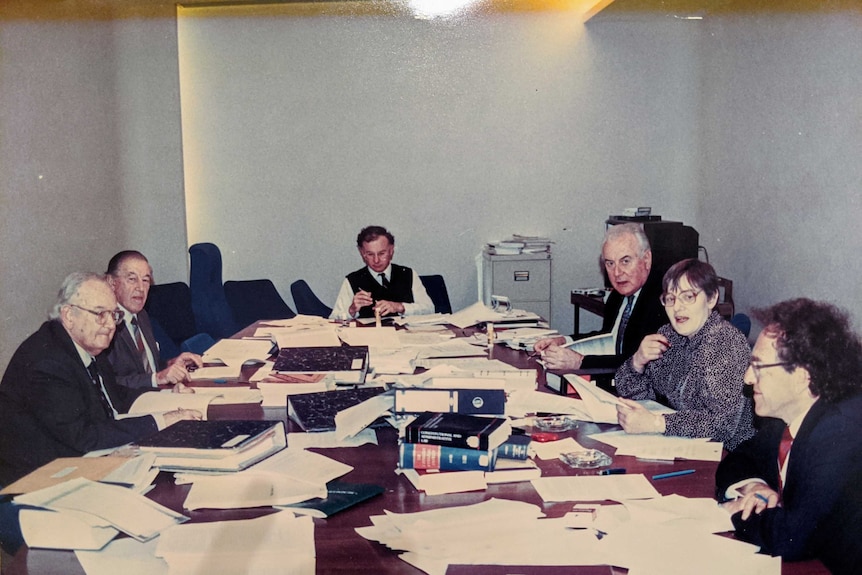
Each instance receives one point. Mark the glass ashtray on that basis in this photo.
(555, 424)
(587, 459)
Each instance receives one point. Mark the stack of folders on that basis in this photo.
(453, 442)
(215, 445)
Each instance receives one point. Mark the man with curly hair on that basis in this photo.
(784, 486)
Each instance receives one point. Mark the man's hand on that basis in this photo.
(389, 307)
(756, 497)
(178, 368)
(361, 299)
(635, 418)
(547, 342)
(182, 388)
(171, 417)
(561, 358)
(651, 348)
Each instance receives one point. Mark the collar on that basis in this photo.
(127, 318)
(387, 272)
(85, 356)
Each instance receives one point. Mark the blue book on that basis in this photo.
(426, 456)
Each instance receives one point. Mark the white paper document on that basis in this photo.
(235, 352)
(275, 543)
(601, 405)
(655, 446)
(166, 400)
(385, 337)
(354, 419)
(594, 488)
(329, 439)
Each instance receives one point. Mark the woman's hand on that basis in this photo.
(651, 348)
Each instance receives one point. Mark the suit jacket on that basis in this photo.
(50, 408)
(125, 358)
(647, 316)
(826, 453)
(400, 287)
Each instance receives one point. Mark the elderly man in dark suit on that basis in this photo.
(632, 310)
(58, 397)
(134, 353)
(784, 486)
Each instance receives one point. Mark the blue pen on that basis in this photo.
(617, 471)
(673, 474)
(762, 498)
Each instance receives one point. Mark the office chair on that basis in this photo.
(435, 285)
(198, 343)
(170, 309)
(741, 322)
(253, 300)
(306, 302)
(213, 315)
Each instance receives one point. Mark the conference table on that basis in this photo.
(340, 550)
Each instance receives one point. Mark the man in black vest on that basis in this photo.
(380, 286)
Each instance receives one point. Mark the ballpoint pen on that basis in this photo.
(673, 474)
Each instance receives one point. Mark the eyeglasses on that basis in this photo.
(687, 297)
(756, 367)
(102, 316)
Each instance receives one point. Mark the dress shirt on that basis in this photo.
(422, 303)
(127, 319)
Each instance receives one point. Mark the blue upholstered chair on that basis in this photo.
(212, 312)
(170, 309)
(198, 343)
(253, 300)
(306, 302)
(435, 285)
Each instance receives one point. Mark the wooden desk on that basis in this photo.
(592, 304)
(340, 550)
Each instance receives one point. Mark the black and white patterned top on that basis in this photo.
(701, 377)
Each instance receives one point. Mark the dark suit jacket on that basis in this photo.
(49, 407)
(400, 287)
(647, 316)
(125, 359)
(826, 453)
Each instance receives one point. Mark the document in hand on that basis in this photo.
(600, 405)
(221, 445)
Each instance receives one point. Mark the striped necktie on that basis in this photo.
(624, 322)
(139, 342)
(97, 381)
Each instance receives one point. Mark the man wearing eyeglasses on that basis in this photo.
(59, 397)
(632, 310)
(134, 353)
(784, 486)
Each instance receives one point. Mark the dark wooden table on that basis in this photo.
(341, 550)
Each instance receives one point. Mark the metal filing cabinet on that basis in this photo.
(524, 278)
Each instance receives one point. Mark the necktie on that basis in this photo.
(139, 341)
(624, 322)
(383, 281)
(97, 381)
(783, 450)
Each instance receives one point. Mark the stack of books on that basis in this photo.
(453, 442)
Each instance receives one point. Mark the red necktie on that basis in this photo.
(783, 450)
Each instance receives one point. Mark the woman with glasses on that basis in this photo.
(695, 364)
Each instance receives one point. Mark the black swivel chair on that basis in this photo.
(436, 288)
(212, 312)
(306, 302)
(253, 300)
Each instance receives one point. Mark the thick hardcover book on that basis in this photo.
(458, 430)
(470, 401)
(515, 447)
(316, 411)
(209, 439)
(348, 363)
(339, 496)
(426, 456)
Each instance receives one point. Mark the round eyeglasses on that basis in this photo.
(687, 297)
(102, 316)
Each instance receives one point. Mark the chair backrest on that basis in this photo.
(435, 285)
(253, 300)
(170, 306)
(741, 322)
(168, 348)
(198, 343)
(306, 302)
(212, 312)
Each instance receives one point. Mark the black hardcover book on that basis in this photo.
(339, 496)
(316, 411)
(209, 439)
(349, 363)
(458, 430)
(515, 447)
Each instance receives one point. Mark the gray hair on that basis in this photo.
(635, 229)
(69, 289)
